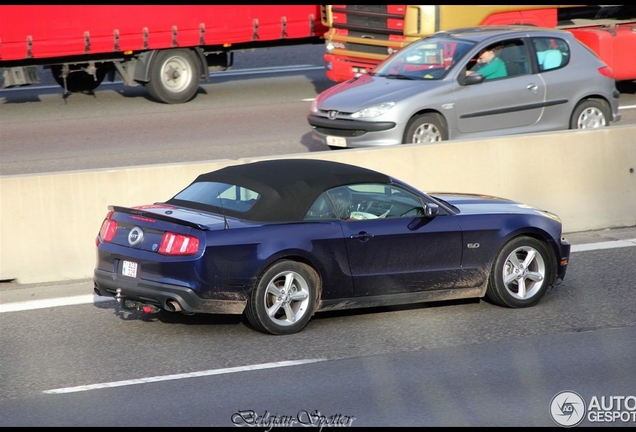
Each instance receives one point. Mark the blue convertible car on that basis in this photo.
(279, 240)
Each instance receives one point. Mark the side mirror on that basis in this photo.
(473, 78)
(431, 210)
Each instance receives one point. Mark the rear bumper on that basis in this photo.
(161, 295)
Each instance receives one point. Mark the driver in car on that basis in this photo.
(489, 64)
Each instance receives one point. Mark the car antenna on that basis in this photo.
(225, 224)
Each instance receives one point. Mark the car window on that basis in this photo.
(500, 60)
(365, 201)
(427, 59)
(551, 53)
(321, 209)
(222, 195)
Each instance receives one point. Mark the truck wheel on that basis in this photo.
(284, 298)
(426, 128)
(590, 114)
(78, 81)
(174, 76)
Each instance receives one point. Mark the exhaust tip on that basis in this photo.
(173, 306)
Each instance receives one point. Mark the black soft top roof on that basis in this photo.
(288, 187)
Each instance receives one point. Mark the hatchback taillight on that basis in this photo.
(109, 228)
(178, 244)
(606, 71)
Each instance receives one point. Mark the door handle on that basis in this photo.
(363, 236)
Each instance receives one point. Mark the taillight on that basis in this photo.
(178, 244)
(606, 71)
(109, 228)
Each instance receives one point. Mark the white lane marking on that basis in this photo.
(91, 298)
(181, 376)
(46, 303)
(603, 245)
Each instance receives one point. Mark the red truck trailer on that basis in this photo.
(167, 49)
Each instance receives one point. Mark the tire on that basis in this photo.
(521, 273)
(426, 128)
(284, 299)
(79, 81)
(590, 114)
(174, 76)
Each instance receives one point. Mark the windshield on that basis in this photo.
(427, 59)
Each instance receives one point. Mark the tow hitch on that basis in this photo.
(135, 305)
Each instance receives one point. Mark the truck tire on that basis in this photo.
(174, 76)
(78, 81)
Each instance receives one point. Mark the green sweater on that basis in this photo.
(496, 68)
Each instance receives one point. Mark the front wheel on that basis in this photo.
(426, 128)
(174, 76)
(284, 298)
(590, 114)
(521, 273)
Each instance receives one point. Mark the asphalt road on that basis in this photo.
(468, 363)
(69, 359)
(258, 108)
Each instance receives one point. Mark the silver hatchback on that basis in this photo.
(470, 83)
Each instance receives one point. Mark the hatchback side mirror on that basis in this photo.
(473, 78)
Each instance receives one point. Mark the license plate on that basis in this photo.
(129, 269)
(336, 141)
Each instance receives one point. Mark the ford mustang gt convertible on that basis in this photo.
(279, 240)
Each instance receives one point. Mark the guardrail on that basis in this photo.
(49, 222)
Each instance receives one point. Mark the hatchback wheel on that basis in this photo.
(426, 128)
(284, 298)
(590, 114)
(521, 273)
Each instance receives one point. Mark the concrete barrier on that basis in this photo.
(49, 222)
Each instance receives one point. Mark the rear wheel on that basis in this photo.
(521, 273)
(590, 114)
(174, 76)
(78, 80)
(426, 128)
(284, 298)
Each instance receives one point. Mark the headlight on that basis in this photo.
(373, 111)
(313, 108)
